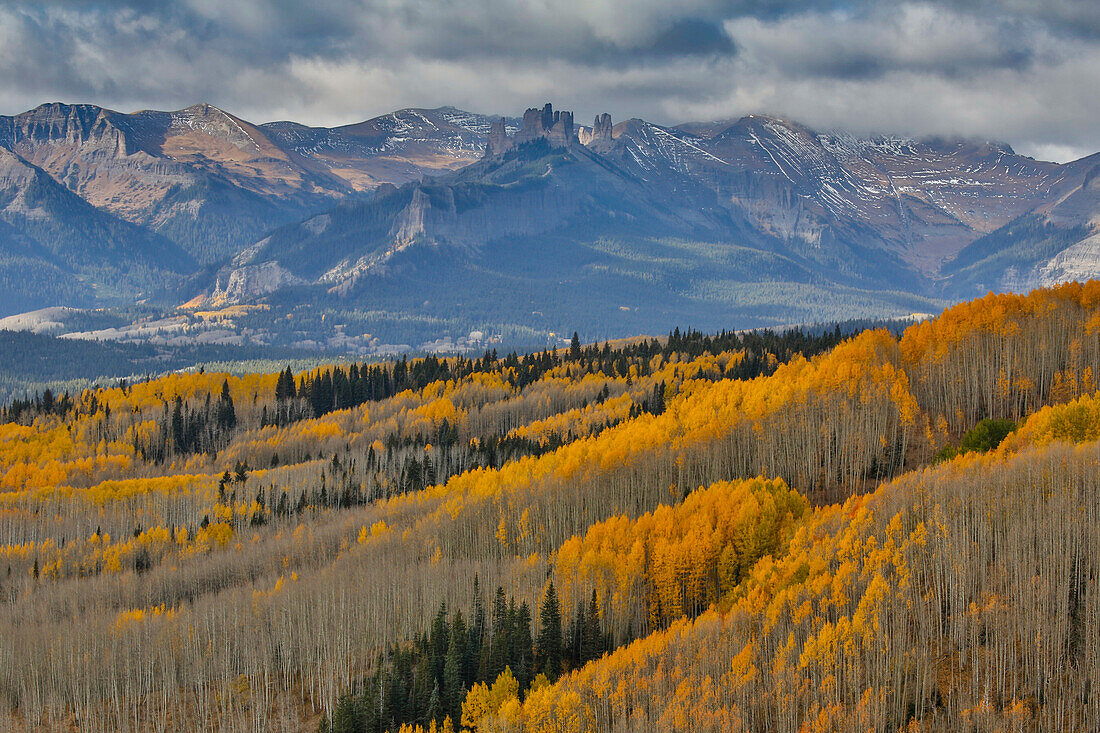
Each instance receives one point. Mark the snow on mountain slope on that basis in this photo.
(921, 199)
(856, 207)
(653, 148)
(395, 148)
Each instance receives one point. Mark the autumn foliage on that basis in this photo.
(756, 522)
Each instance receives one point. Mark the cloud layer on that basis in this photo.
(1023, 71)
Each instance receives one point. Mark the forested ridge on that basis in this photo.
(704, 533)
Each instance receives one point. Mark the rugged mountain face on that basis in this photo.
(213, 182)
(1056, 242)
(534, 188)
(201, 177)
(922, 200)
(625, 229)
(56, 248)
(698, 216)
(396, 148)
(943, 207)
(742, 221)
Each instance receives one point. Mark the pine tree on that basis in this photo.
(178, 434)
(475, 637)
(452, 669)
(548, 646)
(439, 643)
(498, 644)
(435, 706)
(284, 386)
(525, 654)
(657, 401)
(227, 415)
(345, 719)
(424, 687)
(592, 639)
(574, 648)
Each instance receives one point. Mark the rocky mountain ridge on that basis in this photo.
(213, 182)
(857, 207)
(281, 210)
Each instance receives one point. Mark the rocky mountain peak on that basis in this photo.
(206, 119)
(63, 124)
(554, 126)
(202, 109)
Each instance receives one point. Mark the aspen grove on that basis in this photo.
(782, 532)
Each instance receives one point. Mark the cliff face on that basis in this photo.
(499, 142)
(198, 176)
(534, 186)
(602, 131)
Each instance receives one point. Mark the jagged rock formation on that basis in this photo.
(250, 282)
(498, 142)
(601, 136)
(796, 205)
(554, 126)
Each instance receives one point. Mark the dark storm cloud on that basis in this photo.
(1020, 70)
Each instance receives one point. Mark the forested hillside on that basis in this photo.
(703, 533)
(31, 363)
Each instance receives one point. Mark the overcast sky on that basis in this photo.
(1023, 71)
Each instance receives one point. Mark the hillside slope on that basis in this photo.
(1054, 243)
(753, 521)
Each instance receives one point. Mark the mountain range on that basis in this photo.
(454, 220)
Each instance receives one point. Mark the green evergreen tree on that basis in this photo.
(453, 691)
(548, 649)
(525, 654)
(435, 707)
(592, 640)
(423, 687)
(179, 436)
(498, 644)
(284, 386)
(439, 641)
(476, 638)
(573, 652)
(460, 636)
(345, 718)
(227, 415)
